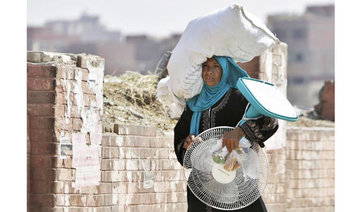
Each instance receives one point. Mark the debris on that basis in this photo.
(131, 99)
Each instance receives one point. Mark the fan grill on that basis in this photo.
(239, 193)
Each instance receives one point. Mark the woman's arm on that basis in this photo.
(260, 130)
(181, 133)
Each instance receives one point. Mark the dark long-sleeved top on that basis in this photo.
(228, 111)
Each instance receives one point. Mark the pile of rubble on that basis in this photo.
(131, 99)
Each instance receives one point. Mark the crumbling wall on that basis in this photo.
(64, 109)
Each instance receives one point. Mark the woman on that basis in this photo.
(220, 104)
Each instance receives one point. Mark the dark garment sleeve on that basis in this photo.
(260, 130)
(181, 131)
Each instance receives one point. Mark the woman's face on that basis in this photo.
(211, 72)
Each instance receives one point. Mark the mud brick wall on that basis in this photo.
(310, 170)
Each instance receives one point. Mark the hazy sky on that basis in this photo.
(156, 17)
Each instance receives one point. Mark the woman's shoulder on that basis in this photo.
(234, 92)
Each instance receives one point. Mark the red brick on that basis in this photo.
(40, 109)
(40, 187)
(41, 84)
(43, 148)
(41, 173)
(34, 70)
(37, 122)
(39, 135)
(42, 200)
(44, 71)
(40, 97)
(40, 161)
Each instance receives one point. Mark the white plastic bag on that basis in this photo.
(232, 32)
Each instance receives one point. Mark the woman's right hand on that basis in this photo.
(189, 141)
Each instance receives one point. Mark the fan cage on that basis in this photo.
(239, 193)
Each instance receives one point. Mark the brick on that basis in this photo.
(141, 198)
(65, 72)
(113, 164)
(41, 84)
(88, 61)
(41, 173)
(132, 164)
(77, 200)
(86, 89)
(41, 71)
(40, 97)
(310, 164)
(40, 161)
(40, 109)
(39, 135)
(40, 187)
(161, 142)
(171, 175)
(95, 199)
(170, 164)
(77, 123)
(65, 174)
(61, 98)
(59, 111)
(89, 189)
(62, 125)
(122, 129)
(57, 187)
(105, 188)
(44, 123)
(42, 200)
(68, 186)
(136, 141)
(58, 162)
(106, 139)
(110, 152)
(119, 188)
(42, 148)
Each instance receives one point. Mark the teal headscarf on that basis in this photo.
(209, 95)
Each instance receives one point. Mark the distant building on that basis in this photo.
(149, 50)
(87, 35)
(310, 39)
(84, 35)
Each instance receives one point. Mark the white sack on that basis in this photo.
(232, 32)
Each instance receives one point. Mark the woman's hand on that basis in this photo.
(189, 141)
(231, 138)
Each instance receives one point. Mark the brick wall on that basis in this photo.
(64, 107)
(135, 168)
(41, 139)
(142, 168)
(310, 170)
